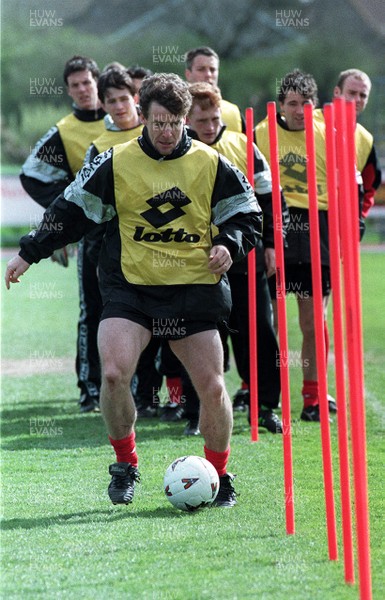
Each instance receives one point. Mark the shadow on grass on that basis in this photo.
(57, 425)
(94, 516)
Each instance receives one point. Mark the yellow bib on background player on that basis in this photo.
(363, 141)
(111, 138)
(292, 158)
(231, 116)
(77, 136)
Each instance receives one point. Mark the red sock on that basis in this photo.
(218, 459)
(310, 393)
(326, 336)
(244, 386)
(125, 449)
(174, 387)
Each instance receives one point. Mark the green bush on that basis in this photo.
(18, 140)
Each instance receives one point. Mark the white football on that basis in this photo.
(191, 482)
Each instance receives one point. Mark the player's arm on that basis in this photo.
(53, 232)
(94, 237)
(263, 190)
(235, 211)
(91, 154)
(85, 204)
(46, 172)
(371, 180)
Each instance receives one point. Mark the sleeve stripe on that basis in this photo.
(228, 207)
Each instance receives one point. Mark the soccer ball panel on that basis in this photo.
(191, 482)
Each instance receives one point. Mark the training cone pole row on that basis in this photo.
(349, 231)
(282, 320)
(342, 421)
(343, 221)
(339, 351)
(318, 312)
(252, 292)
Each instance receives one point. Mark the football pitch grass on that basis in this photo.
(62, 538)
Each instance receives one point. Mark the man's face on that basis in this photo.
(164, 129)
(292, 110)
(206, 123)
(203, 68)
(82, 88)
(120, 104)
(354, 89)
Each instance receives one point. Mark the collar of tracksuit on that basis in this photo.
(180, 150)
(88, 115)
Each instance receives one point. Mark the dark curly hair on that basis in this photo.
(80, 63)
(115, 78)
(300, 83)
(168, 90)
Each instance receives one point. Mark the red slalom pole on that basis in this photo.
(318, 313)
(353, 323)
(252, 292)
(282, 320)
(355, 239)
(335, 272)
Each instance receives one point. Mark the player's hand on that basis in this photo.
(15, 268)
(220, 260)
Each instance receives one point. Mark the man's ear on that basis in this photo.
(337, 92)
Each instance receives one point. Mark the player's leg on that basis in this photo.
(202, 356)
(306, 323)
(87, 357)
(147, 381)
(268, 366)
(121, 343)
(310, 392)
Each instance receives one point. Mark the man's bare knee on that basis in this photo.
(114, 376)
(214, 392)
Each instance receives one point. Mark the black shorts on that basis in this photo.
(167, 328)
(298, 281)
